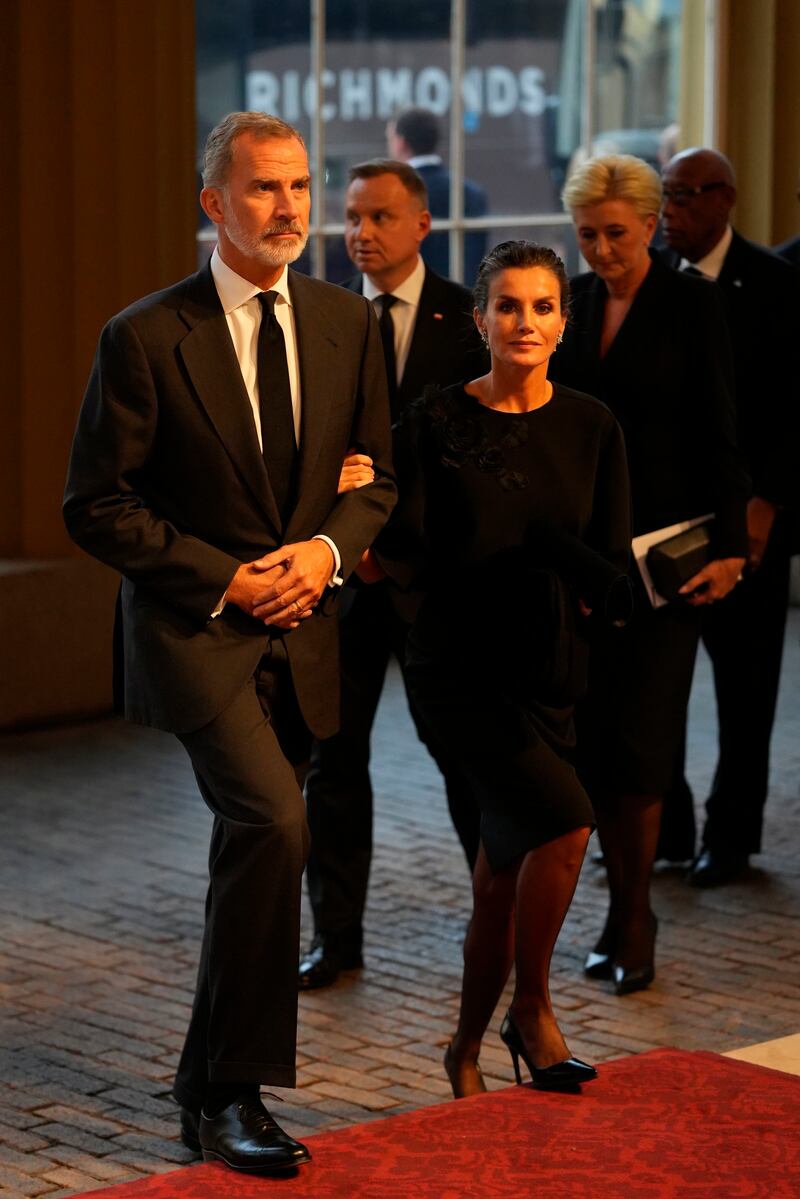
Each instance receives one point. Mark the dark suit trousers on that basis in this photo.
(744, 638)
(248, 763)
(338, 787)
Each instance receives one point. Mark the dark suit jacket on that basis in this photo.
(762, 308)
(445, 345)
(790, 250)
(445, 348)
(667, 379)
(436, 248)
(167, 485)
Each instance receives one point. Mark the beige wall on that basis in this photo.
(760, 118)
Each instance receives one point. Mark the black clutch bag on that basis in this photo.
(673, 562)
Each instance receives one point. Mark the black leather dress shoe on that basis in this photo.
(245, 1137)
(190, 1132)
(628, 979)
(713, 869)
(321, 965)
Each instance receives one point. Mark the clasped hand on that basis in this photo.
(283, 587)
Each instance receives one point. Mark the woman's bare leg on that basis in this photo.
(488, 957)
(545, 887)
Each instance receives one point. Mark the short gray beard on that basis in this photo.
(258, 248)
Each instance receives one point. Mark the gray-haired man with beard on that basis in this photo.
(205, 469)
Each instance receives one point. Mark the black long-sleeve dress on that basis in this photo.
(667, 377)
(497, 519)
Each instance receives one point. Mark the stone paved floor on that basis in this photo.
(102, 848)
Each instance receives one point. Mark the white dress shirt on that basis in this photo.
(242, 308)
(424, 160)
(712, 264)
(403, 313)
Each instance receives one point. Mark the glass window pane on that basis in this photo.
(560, 237)
(250, 55)
(637, 78)
(522, 100)
(380, 58)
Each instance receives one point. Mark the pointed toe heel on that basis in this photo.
(563, 1076)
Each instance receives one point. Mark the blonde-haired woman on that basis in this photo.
(651, 343)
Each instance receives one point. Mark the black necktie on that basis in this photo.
(386, 326)
(275, 406)
(692, 270)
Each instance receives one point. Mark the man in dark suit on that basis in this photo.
(743, 634)
(413, 137)
(205, 469)
(429, 337)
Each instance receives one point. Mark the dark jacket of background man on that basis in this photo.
(744, 633)
(386, 224)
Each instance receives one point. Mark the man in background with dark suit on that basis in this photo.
(744, 633)
(205, 469)
(413, 138)
(429, 337)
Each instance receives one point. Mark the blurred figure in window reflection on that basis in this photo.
(413, 137)
(652, 344)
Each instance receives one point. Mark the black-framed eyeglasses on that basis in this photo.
(683, 195)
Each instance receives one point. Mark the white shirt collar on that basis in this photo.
(409, 291)
(234, 291)
(712, 264)
(424, 160)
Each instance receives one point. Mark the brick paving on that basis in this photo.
(102, 865)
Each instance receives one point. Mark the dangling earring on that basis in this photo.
(559, 339)
(484, 337)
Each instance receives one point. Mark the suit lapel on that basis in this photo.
(730, 275)
(208, 355)
(640, 318)
(430, 328)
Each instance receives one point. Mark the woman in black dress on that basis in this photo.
(513, 519)
(652, 344)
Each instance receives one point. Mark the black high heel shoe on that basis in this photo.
(628, 979)
(563, 1076)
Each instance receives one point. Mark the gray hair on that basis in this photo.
(614, 177)
(218, 153)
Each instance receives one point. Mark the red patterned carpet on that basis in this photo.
(662, 1125)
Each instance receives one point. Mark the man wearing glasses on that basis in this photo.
(743, 635)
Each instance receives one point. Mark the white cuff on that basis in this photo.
(219, 606)
(336, 579)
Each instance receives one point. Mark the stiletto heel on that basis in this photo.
(563, 1076)
(514, 1060)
